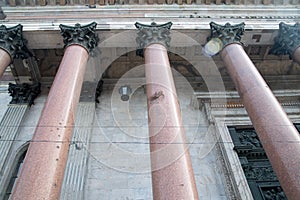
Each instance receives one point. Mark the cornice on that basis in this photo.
(123, 17)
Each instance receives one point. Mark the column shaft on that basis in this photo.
(296, 55)
(43, 169)
(4, 61)
(172, 173)
(277, 134)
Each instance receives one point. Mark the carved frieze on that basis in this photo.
(84, 36)
(249, 138)
(24, 93)
(12, 41)
(228, 33)
(271, 193)
(259, 173)
(287, 40)
(154, 33)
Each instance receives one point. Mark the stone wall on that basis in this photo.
(119, 160)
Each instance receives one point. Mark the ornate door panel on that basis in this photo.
(260, 176)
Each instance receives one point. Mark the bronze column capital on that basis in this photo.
(12, 41)
(24, 93)
(287, 40)
(84, 36)
(226, 34)
(152, 34)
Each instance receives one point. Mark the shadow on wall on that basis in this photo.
(2, 15)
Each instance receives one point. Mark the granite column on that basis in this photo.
(280, 139)
(43, 169)
(172, 172)
(23, 96)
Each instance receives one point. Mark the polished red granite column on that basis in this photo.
(43, 169)
(12, 45)
(172, 172)
(276, 132)
(288, 41)
(296, 55)
(5, 60)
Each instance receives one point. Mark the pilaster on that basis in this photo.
(75, 173)
(287, 40)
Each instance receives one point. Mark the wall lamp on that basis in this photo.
(125, 91)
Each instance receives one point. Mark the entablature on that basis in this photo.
(124, 16)
(102, 3)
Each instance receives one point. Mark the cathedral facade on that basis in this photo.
(149, 99)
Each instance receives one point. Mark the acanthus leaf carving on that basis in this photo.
(12, 41)
(24, 93)
(287, 40)
(150, 34)
(228, 33)
(84, 36)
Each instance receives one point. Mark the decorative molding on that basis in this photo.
(274, 192)
(24, 93)
(84, 36)
(12, 41)
(232, 100)
(150, 34)
(228, 33)
(259, 173)
(104, 4)
(287, 40)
